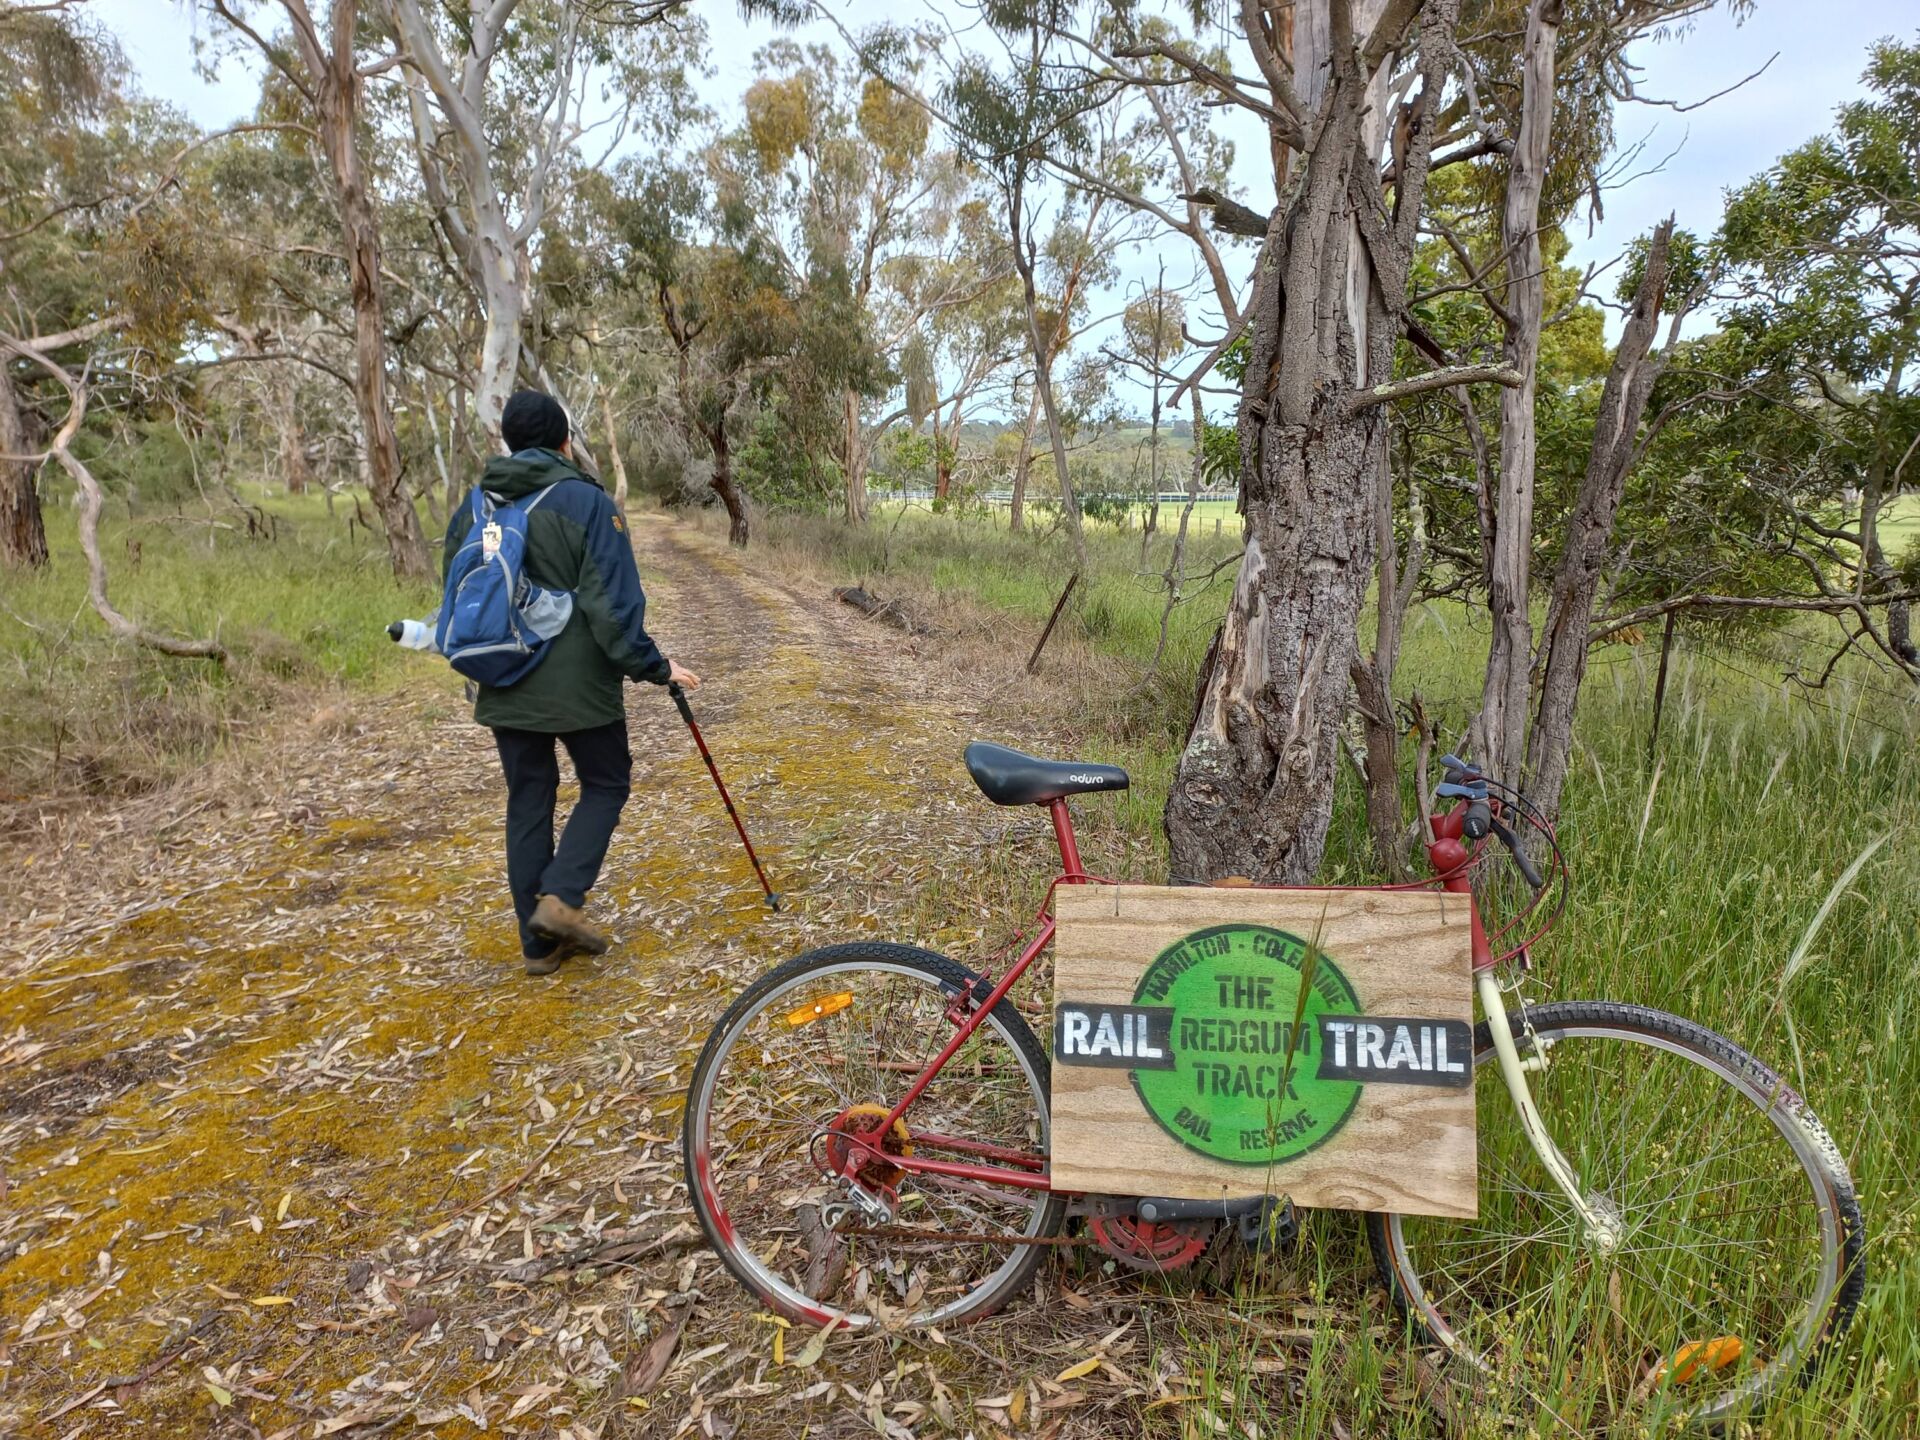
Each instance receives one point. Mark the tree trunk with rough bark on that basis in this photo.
(329, 79)
(337, 90)
(1576, 583)
(460, 443)
(1501, 728)
(1373, 674)
(723, 486)
(295, 473)
(406, 547)
(23, 530)
(942, 457)
(1253, 791)
(853, 467)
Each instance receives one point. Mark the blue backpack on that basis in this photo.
(494, 622)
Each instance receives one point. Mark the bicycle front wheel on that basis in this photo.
(811, 1213)
(1729, 1254)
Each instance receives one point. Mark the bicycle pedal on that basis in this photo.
(1272, 1228)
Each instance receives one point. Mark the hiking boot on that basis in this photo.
(551, 961)
(554, 919)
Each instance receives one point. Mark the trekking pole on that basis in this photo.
(686, 714)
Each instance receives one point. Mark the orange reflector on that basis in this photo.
(1698, 1355)
(826, 1005)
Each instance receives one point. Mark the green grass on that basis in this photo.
(1117, 606)
(300, 601)
(1695, 878)
(1900, 526)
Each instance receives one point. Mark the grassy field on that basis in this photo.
(299, 596)
(1900, 526)
(1696, 878)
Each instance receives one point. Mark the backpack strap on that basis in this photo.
(539, 495)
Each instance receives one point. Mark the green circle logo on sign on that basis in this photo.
(1243, 1085)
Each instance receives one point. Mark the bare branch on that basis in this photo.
(1679, 108)
(79, 335)
(1826, 604)
(1286, 126)
(91, 504)
(1230, 217)
(1436, 380)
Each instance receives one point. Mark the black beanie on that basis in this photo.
(533, 421)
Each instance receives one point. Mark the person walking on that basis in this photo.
(573, 699)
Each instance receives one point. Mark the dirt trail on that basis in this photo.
(290, 1144)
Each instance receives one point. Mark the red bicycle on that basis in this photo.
(1662, 1220)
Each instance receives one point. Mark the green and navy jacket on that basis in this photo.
(576, 540)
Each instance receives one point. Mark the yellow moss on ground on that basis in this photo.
(274, 1057)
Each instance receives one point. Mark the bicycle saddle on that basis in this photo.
(1007, 777)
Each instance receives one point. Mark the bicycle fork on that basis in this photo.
(1604, 1230)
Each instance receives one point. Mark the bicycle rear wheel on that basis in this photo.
(816, 1052)
(1736, 1254)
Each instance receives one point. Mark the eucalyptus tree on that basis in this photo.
(326, 59)
(60, 80)
(502, 100)
(726, 306)
(1154, 335)
(967, 345)
(1825, 312)
(1778, 443)
(839, 171)
(104, 278)
(1253, 789)
(1360, 101)
(1073, 266)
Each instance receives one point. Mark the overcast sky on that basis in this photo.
(1695, 156)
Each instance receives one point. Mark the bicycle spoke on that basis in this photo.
(1718, 1231)
(873, 1031)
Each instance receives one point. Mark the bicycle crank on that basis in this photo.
(1156, 1246)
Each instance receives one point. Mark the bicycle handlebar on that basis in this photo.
(1467, 782)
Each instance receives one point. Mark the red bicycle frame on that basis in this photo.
(1448, 854)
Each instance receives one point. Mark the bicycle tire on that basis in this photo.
(697, 1127)
(1843, 1234)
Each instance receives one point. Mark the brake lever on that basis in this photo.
(1512, 842)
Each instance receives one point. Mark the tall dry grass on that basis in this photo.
(1760, 875)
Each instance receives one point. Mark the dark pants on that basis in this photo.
(534, 866)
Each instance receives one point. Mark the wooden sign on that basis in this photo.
(1223, 1043)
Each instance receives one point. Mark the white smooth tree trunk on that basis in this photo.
(492, 245)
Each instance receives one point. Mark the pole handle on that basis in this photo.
(680, 701)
